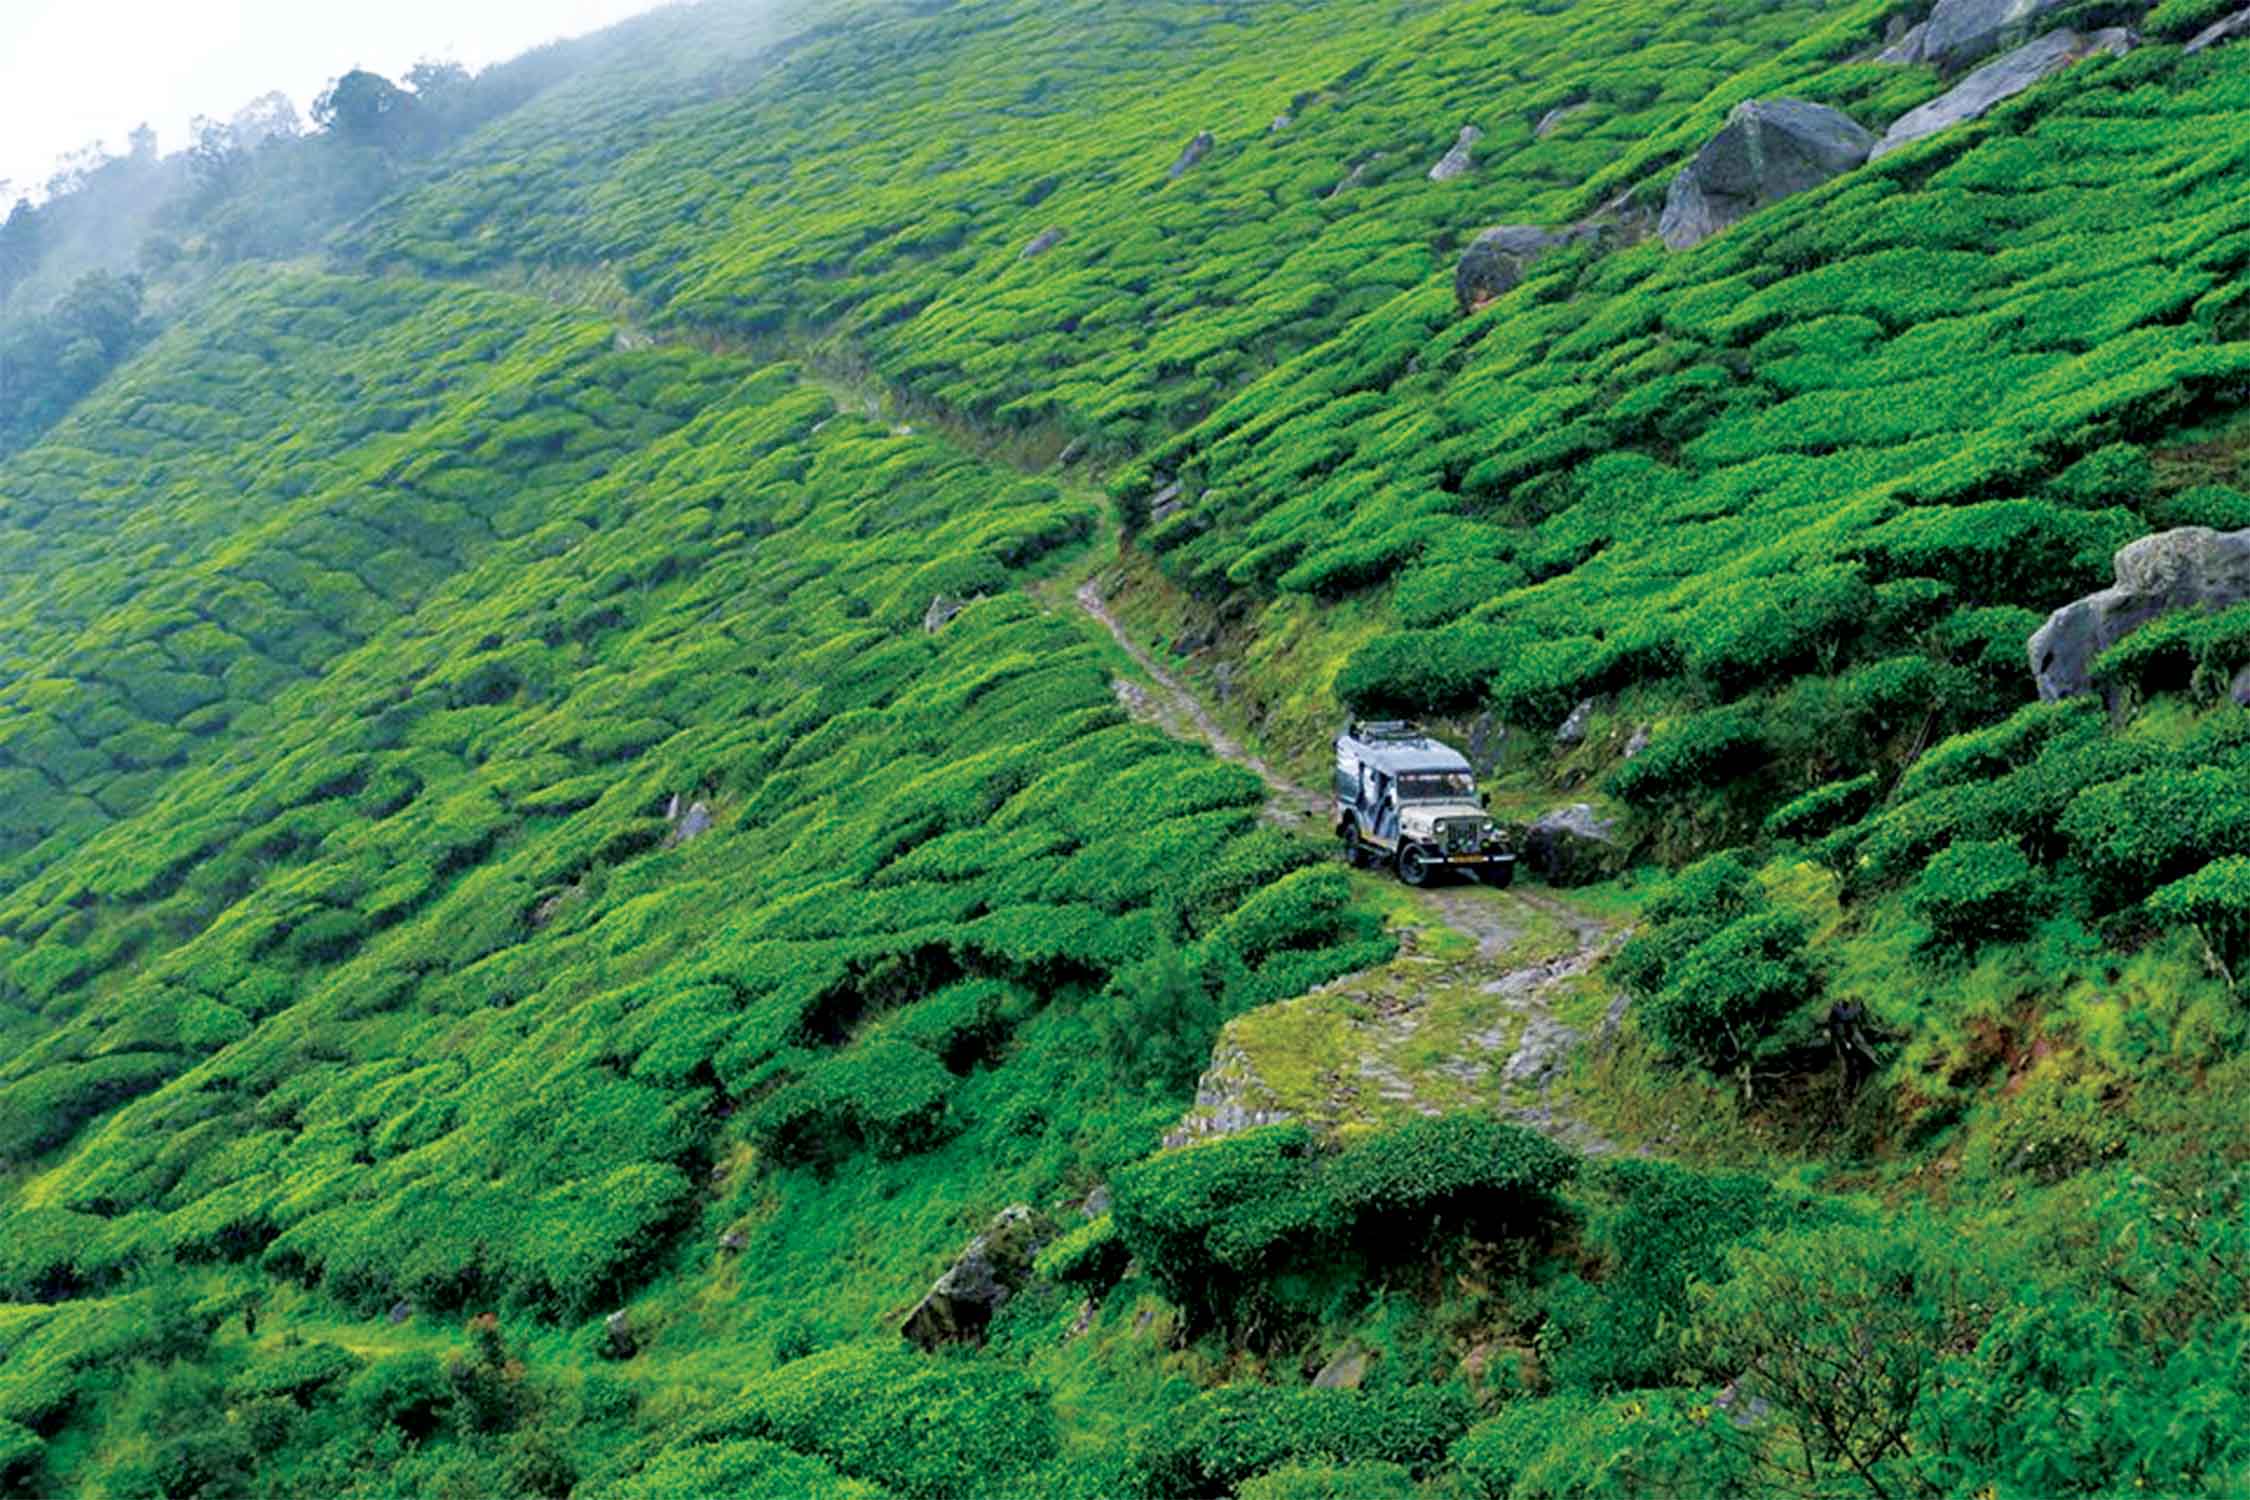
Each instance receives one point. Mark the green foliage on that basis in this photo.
(881, 1413)
(1237, 1432)
(1213, 1224)
(1978, 891)
(1092, 1256)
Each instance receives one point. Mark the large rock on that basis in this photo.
(1496, 260)
(2191, 568)
(2226, 29)
(1997, 81)
(992, 1269)
(1961, 31)
(1574, 846)
(1770, 149)
(1456, 162)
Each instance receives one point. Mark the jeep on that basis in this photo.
(1408, 803)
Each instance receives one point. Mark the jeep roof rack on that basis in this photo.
(1377, 731)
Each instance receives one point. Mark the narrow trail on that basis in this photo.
(1424, 1034)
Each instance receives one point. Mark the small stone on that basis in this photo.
(1556, 116)
(692, 824)
(734, 1242)
(1496, 261)
(1356, 175)
(1280, 123)
(1043, 242)
(400, 1312)
(1194, 152)
(1166, 502)
(618, 1331)
(1573, 731)
(1638, 742)
(1096, 1204)
(1346, 1372)
(1458, 161)
(941, 612)
(1574, 846)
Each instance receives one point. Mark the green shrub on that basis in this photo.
(1371, 1481)
(2215, 900)
(1237, 1432)
(1092, 1256)
(405, 1391)
(1426, 672)
(883, 1095)
(1976, 892)
(883, 1413)
(303, 1374)
(21, 1452)
(1728, 1002)
(1823, 810)
(2146, 830)
(1697, 755)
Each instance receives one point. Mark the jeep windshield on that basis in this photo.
(1437, 786)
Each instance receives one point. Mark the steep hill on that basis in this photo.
(574, 832)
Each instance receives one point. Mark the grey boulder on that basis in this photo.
(1769, 150)
(1573, 846)
(2225, 29)
(1043, 242)
(1496, 260)
(2191, 568)
(1961, 31)
(1997, 81)
(1196, 150)
(994, 1267)
(1910, 46)
(1456, 162)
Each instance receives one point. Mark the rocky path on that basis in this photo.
(1470, 1023)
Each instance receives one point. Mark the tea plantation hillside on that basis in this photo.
(565, 852)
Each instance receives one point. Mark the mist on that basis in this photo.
(75, 75)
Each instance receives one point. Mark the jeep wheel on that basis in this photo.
(1414, 866)
(1500, 874)
(1355, 852)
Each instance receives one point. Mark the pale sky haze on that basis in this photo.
(77, 71)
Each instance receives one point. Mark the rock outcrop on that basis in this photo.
(1356, 175)
(1961, 31)
(2225, 29)
(2000, 80)
(1194, 152)
(1458, 161)
(1553, 118)
(2191, 568)
(1574, 846)
(1770, 149)
(979, 1283)
(1496, 260)
(689, 822)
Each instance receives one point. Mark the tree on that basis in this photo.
(269, 117)
(366, 109)
(19, 246)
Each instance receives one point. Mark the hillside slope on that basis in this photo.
(565, 847)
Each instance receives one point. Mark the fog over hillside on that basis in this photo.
(901, 749)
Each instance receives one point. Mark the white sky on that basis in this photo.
(77, 71)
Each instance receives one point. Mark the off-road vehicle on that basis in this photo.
(1409, 803)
